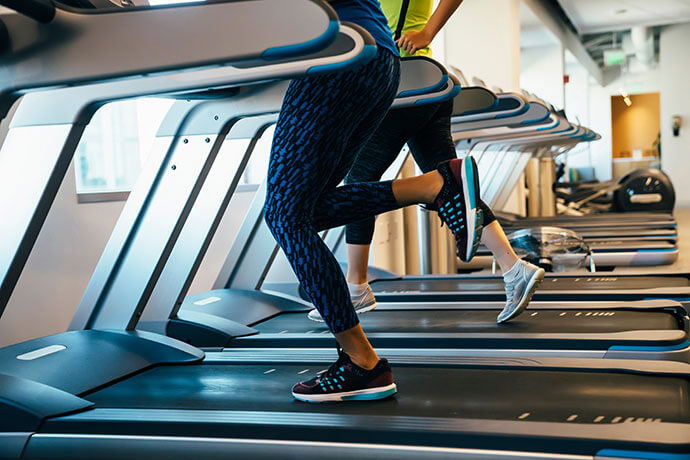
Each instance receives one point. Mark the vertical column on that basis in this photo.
(483, 40)
(675, 101)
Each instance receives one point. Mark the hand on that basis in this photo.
(413, 41)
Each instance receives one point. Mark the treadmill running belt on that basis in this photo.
(470, 321)
(424, 391)
(484, 284)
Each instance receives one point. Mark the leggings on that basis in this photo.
(426, 130)
(324, 122)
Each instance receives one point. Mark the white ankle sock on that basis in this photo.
(357, 289)
(514, 270)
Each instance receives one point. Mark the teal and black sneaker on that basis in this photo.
(346, 381)
(457, 204)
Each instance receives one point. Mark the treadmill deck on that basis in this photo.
(550, 283)
(482, 320)
(424, 391)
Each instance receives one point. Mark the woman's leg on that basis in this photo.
(434, 145)
(495, 239)
(319, 117)
(373, 160)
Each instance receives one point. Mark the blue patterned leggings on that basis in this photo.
(323, 124)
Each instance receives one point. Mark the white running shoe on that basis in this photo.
(521, 282)
(364, 302)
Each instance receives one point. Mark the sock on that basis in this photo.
(357, 290)
(514, 271)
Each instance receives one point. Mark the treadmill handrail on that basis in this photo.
(39, 10)
(54, 54)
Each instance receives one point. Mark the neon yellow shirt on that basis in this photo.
(418, 14)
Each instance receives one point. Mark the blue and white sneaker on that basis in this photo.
(457, 204)
(521, 281)
(346, 381)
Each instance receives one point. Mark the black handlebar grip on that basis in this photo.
(39, 10)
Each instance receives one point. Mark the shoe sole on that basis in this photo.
(470, 186)
(532, 286)
(369, 394)
(358, 311)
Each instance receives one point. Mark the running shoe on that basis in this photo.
(364, 302)
(521, 282)
(346, 381)
(457, 204)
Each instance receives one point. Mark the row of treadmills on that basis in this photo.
(616, 239)
(597, 368)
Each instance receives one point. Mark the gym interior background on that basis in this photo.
(587, 56)
(143, 319)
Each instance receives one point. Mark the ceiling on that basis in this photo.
(593, 16)
(533, 33)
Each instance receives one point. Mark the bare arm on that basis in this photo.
(415, 40)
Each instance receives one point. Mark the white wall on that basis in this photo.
(541, 72)
(483, 39)
(600, 121)
(667, 78)
(670, 79)
(59, 267)
(66, 253)
(675, 100)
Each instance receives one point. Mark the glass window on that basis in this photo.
(118, 139)
(115, 144)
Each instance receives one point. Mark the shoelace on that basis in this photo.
(511, 289)
(510, 292)
(332, 378)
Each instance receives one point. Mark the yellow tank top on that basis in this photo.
(418, 14)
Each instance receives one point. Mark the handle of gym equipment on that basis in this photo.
(39, 10)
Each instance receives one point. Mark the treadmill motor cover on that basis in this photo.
(553, 248)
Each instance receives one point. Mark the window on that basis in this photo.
(116, 142)
(115, 145)
(118, 139)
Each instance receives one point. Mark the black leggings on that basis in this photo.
(426, 130)
(324, 122)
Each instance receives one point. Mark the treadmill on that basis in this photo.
(606, 253)
(237, 309)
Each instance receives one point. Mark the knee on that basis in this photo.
(282, 219)
(363, 173)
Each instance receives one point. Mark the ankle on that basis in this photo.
(357, 278)
(366, 362)
(434, 185)
(509, 264)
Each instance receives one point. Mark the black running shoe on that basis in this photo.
(346, 381)
(457, 204)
